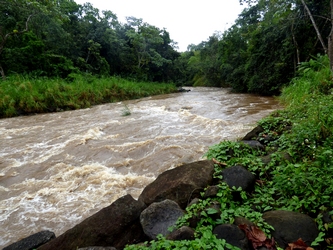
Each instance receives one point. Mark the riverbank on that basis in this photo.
(292, 167)
(24, 96)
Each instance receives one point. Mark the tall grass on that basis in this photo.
(314, 79)
(309, 99)
(20, 95)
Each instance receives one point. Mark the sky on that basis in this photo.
(187, 21)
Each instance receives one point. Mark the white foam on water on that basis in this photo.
(66, 198)
(93, 133)
(61, 168)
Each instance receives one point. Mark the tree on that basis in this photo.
(144, 39)
(14, 21)
(4, 38)
(56, 38)
(315, 26)
(329, 48)
(20, 17)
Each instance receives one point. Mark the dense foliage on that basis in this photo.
(57, 38)
(260, 53)
(297, 177)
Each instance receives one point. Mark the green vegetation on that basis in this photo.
(58, 38)
(21, 96)
(69, 51)
(297, 176)
(126, 111)
(259, 53)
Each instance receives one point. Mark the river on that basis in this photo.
(57, 169)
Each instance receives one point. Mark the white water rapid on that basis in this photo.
(57, 169)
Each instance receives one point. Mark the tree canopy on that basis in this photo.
(259, 53)
(58, 38)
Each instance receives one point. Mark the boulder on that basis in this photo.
(183, 233)
(183, 90)
(211, 192)
(180, 184)
(254, 133)
(290, 226)
(212, 210)
(232, 235)
(32, 241)
(284, 156)
(194, 201)
(115, 225)
(242, 221)
(159, 216)
(266, 159)
(214, 206)
(238, 176)
(254, 144)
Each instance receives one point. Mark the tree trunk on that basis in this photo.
(298, 60)
(2, 72)
(315, 26)
(330, 40)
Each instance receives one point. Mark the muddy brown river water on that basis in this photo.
(57, 169)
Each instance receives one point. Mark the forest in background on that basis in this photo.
(260, 53)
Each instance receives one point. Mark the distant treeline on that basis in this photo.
(259, 53)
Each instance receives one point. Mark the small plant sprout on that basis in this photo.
(126, 111)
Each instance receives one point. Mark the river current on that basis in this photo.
(57, 169)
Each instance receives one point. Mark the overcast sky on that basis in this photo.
(187, 21)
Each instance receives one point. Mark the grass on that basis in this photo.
(23, 96)
(297, 177)
(126, 111)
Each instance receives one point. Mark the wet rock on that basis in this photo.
(32, 241)
(290, 226)
(183, 90)
(115, 225)
(254, 144)
(267, 139)
(243, 221)
(211, 191)
(180, 184)
(284, 157)
(212, 210)
(253, 134)
(159, 216)
(194, 201)
(233, 235)
(266, 159)
(214, 206)
(194, 220)
(238, 176)
(183, 233)
(327, 219)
